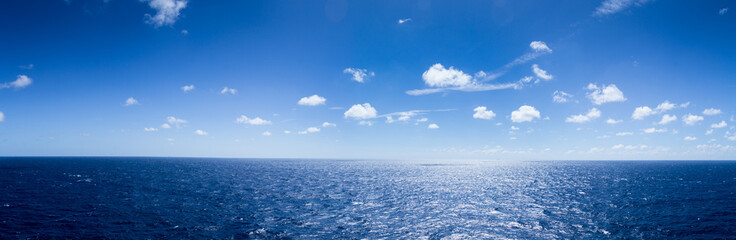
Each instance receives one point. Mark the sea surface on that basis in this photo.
(189, 198)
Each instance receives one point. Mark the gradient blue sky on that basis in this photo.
(94, 77)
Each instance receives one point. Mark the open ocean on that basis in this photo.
(175, 198)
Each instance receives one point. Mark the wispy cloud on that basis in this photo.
(402, 21)
(21, 81)
(167, 12)
(609, 7)
(359, 75)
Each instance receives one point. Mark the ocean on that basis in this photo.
(195, 198)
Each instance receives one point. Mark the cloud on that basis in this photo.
(642, 112)
(365, 123)
(665, 106)
(309, 130)
(721, 124)
(433, 126)
(422, 120)
(313, 100)
(709, 132)
(525, 113)
(560, 97)
(187, 88)
(200, 132)
(624, 134)
(439, 76)
(514, 128)
(482, 113)
(266, 133)
(609, 7)
(167, 12)
(359, 75)
(174, 121)
(541, 73)
(613, 121)
(655, 130)
(361, 111)
(328, 124)
(689, 138)
(28, 67)
(474, 87)
(21, 81)
(604, 94)
(2, 117)
(712, 111)
(592, 114)
(252, 121)
(227, 90)
(667, 119)
(150, 129)
(165, 125)
(287, 132)
(722, 11)
(690, 119)
(131, 101)
(184, 32)
(402, 21)
(540, 46)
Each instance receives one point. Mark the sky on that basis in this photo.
(415, 79)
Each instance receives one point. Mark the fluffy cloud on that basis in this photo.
(361, 111)
(21, 81)
(642, 112)
(690, 119)
(624, 134)
(313, 100)
(402, 21)
(721, 124)
(560, 96)
(200, 132)
(541, 73)
(167, 11)
(603, 94)
(613, 121)
(540, 46)
(309, 130)
(174, 121)
(439, 76)
(712, 111)
(165, 125)
(150, 129)
(665, 106)
(227, 90)
(592, 114)
(667, 119)
(525, 113)
(482, 113)
(359, 75)
(187, 88)
(655, 130)
(252, 121)
(328, 124)
(689, 138)
(131, 101)
(433, 126)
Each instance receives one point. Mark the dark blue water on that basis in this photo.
(139, 198)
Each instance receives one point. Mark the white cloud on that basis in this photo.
(131, 101)
(642, 112)
(150, 129)
(361, 111)
(514, 128)
(174, 121)
(2, 117)
(613, 121)
(722, 11)
(313, 100)
(29, 66)
(439, 76)
(328, 124)
(690, 119)
(721, 124)
(655, 130)
(422, 120)
(712, 111)
(167, 12)
(482, 113)
(252, 121)
(608, 7)
(540, 46)
(604, 94)
(187, 88)
(200, 132)
(541, 73)
(665, 106)
(667, 119)
(287, 132)
(309, 130)
(359, 75)
(689, 138)
(730, 136)
(227, 90)
(525, 113)
(266, 133)
(560, 97)
(433, 126)
(21, 81)
(184, 31)
(709, 132)
(592, 114)
(402, 21)
(624, 134)
(365, 123)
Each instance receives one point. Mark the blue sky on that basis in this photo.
(519, 80)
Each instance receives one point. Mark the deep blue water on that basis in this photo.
(140, 198)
